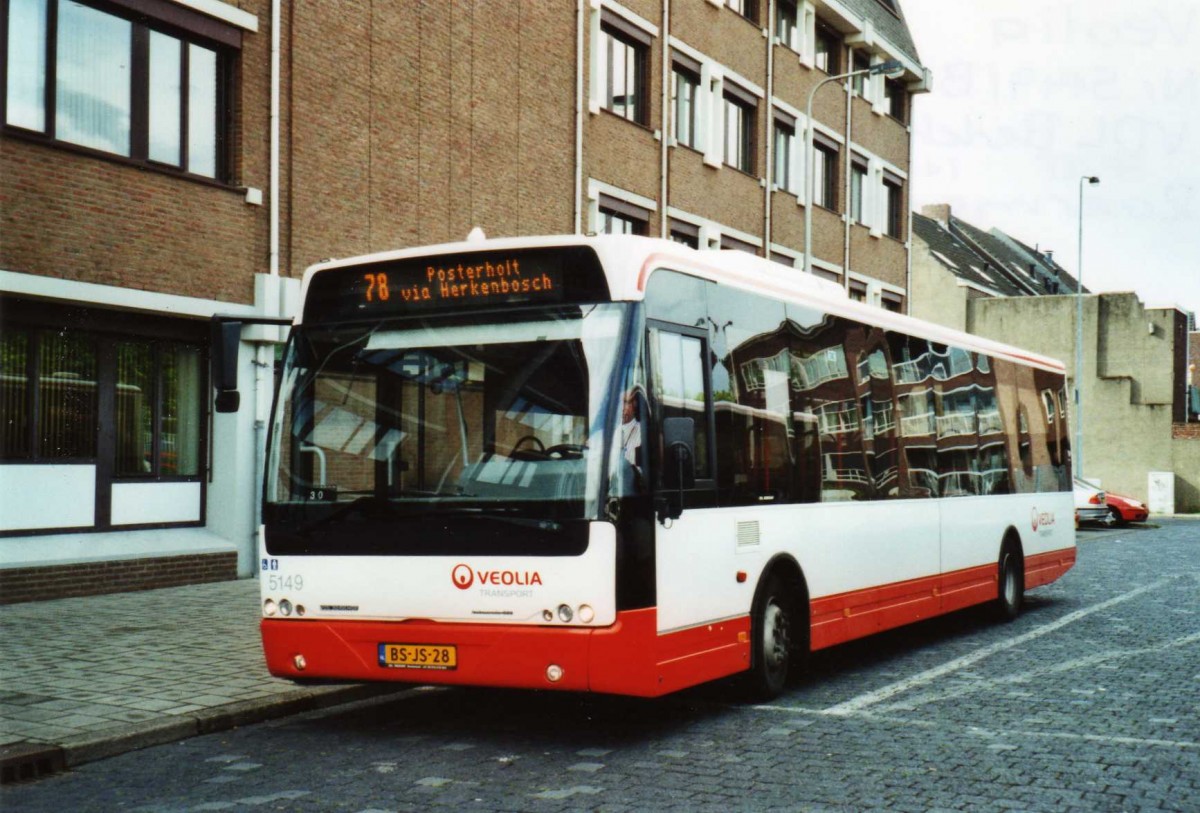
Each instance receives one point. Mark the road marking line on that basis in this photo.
(984, 732)
(881, 694)
(1025, 678)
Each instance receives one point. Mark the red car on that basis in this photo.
(1126, 509)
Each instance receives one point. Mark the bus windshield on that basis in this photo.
(477, 414)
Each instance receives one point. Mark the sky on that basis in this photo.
(1030, 95)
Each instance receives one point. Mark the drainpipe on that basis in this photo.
(666, 100)
(849, 162)
(770, 129)
(579, 29)
(274, 159)
(263, 352)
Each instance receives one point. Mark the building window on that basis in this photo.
(825, 172)
(157, 409)
(894, 190)
(860, 83)
(746, 8)
(624, 51)
(48, 395)
(685, 87)
(787, 31)
(896, 96)
(60, 389)
(82, 76)
(858, 184)
(894, 302)
(619, 217)
(733, 244)
(858, 290)
(685, 233)
(740, 113)
(783, 259)
(829, 47)
(785, 139)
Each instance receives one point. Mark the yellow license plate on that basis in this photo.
(418, 656)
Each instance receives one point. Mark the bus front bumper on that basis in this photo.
(627, 658)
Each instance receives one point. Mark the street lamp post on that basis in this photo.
(1084, 180)
(892, 67)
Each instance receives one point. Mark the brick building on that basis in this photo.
(163, 161)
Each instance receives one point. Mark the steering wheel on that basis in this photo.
(536, 452)
(566, 451)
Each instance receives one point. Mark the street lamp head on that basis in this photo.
(1092, 179)
(891, 69)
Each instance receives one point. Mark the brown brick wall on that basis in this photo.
(412, 123)
(94, 578)
(879, 257)
(83, 218)
(1186, 431)
(76, 216)
(881, 134)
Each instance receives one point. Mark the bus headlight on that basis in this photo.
(547, 615)
(586, 614)
(565, 613)
(285, 607)
(269, 608)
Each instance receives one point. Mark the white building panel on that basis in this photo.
(152, 503)
(49, 496)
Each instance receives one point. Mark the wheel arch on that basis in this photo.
(785, 567)
(1012, 537)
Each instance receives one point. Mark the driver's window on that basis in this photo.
(677, 363)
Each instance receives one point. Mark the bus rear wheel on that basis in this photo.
(773, 642)
(1011, 593)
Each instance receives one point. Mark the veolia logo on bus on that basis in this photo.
(1041, 520)
(464, 576)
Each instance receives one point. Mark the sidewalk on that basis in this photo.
(86, 678)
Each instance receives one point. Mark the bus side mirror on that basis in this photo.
(225, 339)
(679, 465)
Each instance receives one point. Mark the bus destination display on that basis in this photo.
(452, 282)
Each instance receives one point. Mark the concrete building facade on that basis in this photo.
(1135, 359)
(163, 161)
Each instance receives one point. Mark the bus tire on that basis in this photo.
(1011, 587)
(773, 648)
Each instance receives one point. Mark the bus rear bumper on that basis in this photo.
(628, 658)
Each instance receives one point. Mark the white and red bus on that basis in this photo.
(616, 464)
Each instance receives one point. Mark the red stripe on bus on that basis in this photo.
(846, 616)
(629, 657)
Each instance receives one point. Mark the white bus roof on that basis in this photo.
(628, 261)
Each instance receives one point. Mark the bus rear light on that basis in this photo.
(586, 614)
(565, 613)
(554, 673)
(300, 663)
(269, 608)
(285, 607)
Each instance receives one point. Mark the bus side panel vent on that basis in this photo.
(747, 534)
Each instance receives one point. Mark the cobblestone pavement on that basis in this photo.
(1090, 701)
(100, 674)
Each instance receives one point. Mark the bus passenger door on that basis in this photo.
(689, 555)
